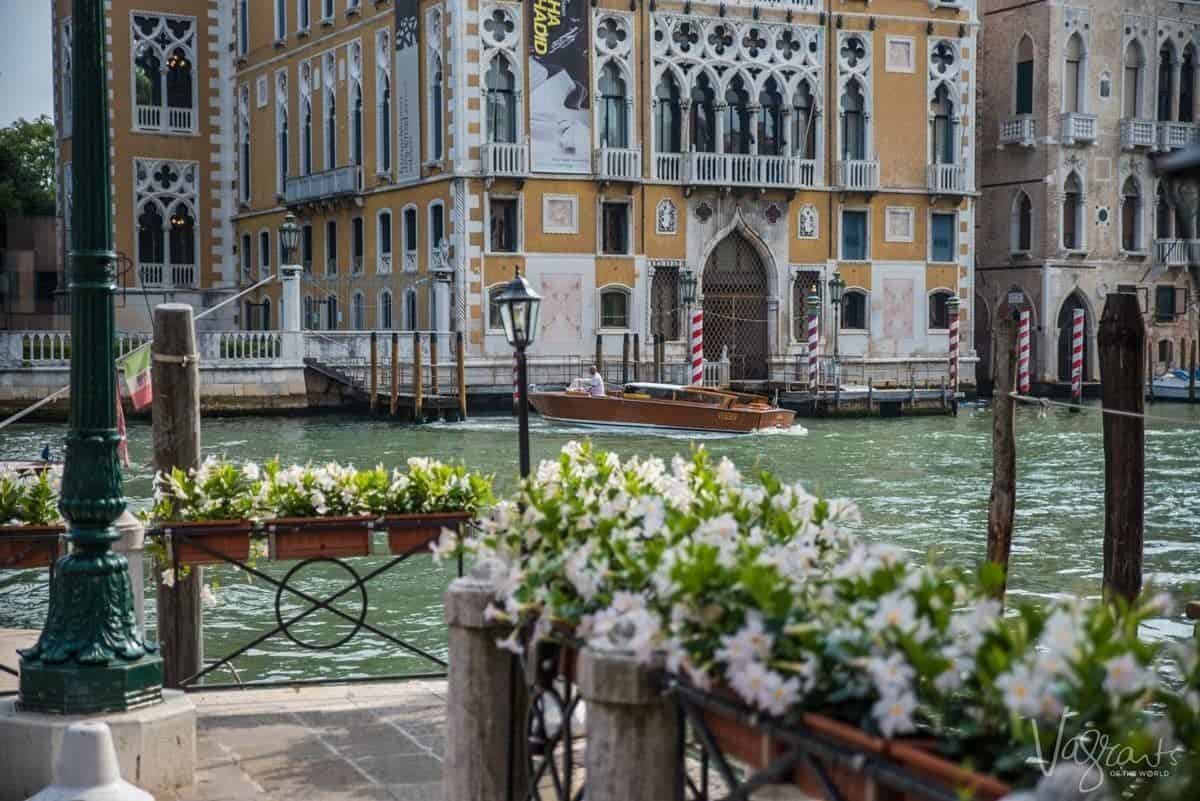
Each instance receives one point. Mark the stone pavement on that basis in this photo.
(359, 742)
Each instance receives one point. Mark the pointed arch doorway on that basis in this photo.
(734, 288)
(1066, 319)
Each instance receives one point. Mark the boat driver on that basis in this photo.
(596, 383)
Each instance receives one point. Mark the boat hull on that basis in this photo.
(618, 411)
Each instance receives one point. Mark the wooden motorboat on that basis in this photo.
(664, 406)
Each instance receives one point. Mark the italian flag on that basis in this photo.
(137, 378)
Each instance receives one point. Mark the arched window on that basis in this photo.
(330, 115)
(1166, 81)
(495, 322)
(164, 79)
(182, 236)
(410, 310)
(737, 116)
(1074, 75)
(306, 139)
(704, 115)
(265, 306)
(358, 311)
(1135, 65)
(1022, 223)
(384, 238)
(941, 115)
(385, 309)
(854, 123)
(436, 102)
(804, 135)
(770, 119)
(1187, 85)
(282, 150)
(1072, 213)
(437, 229)
(383, 123)
(854, 310)
(356, 125)
(614, 307)
(939, 310)
(1131, 216)
(614, 102)
(331, 312)
(1023, 96)
(668, 125)
(244, 149)
(501, 85)
(151, 248)
(179, 85)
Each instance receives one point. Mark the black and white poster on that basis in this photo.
(407, 91)
(560, 100)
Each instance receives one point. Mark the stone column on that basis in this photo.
(291, 314)
(441, 291)
(482, 714)
(632, 744)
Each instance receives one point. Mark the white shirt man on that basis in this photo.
(596, 384)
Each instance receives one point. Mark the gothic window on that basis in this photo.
(358, 245)
(941, 115)
(437, 232)
(331, 264)
(668, 125)
(332, 317)
(435, 97)
(1187, 85)
(385, 309)
(264, 254)
(383, 105)
(358, 311)
(770, 119)
(302, 21)
(1166, 77)
(495, 322)
(1023, 96)
(409, 232)
(383, 235)
(1022, 226)
(437, 103)
(704, 115)
(330, 93)
(1131, 91)
(243, 27)
(410, 310)
(243, 256)
(166, 220)
(306, 247)
(1072, 213)
(151, 247)
(1131, 216)
(281, 129)
(804, 137)
(614, 102)
(164, 72)
(501, 86)
(356, 125)
(1075, 75)
(244, 171)
(280, 19)
(737, 116)
(311, 320)
(854, 124)
(306, 143)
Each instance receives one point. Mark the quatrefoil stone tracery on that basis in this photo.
(501, 28)
(853, 52)
(612, 35)
(941, 60)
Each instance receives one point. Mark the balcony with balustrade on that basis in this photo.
(737, 169)
(858, 175)
(617, 164)
(1020, 130)
(1137, 133)
(504, 159)
(1177, 135)
(157, 275)
(321, 187)
(150, 118)
(1078, 128)
(948, 179)
(1176, 253)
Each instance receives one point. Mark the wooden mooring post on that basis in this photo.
(175, 375)
(374, 370)
(625, 359)
(395, 398)
(1192, 372)
(637, 357)
(1122, 341)
(1002, 501)
(600, 353)
(460, 367)
(434, 383)
(417, 377)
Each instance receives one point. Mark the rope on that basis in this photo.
(1046, 403)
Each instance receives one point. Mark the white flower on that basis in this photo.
(653, 513)
(717, 530)
(1051, 664)
(510, 644)
(727, 474)
(445, 546)
(892, 676)
(168, 577)
(1022, 691)
(250, 471)
(1124, 676)
(779, 694)
(896, 610)
(749, 680)
(1061, 634)
(751, 642)
(894, 714)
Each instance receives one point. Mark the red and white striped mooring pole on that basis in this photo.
(952, 313)
(1023, 353)
(697, 347)
(814, 338)
(1076, 357)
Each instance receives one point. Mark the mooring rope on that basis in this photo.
(1046, 403)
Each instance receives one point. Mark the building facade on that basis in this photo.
(431, 147)
(30, 273)
(1075, 103)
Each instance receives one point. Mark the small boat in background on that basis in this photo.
(667, 406)
(1173, 385)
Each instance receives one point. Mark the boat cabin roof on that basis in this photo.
(704, 395)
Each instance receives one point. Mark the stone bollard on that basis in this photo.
(485, 699)
(86, 769)
(132, 546)
(632, 738)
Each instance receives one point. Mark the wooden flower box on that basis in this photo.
(320, 537)
(416, 531)
(204, 542)
(23, 547)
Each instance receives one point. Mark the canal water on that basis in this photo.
(921, 482)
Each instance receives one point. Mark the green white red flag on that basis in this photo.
(137, 378)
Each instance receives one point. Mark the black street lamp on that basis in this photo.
(519, 306)
(837, 290)
(289, 238)
(687, 288)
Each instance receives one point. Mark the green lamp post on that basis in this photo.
(91, 657)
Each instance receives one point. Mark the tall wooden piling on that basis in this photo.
(395, 398)
(434, 384)
(600, 353)
(1192, 373)
(175, 375)
(625, 358)
(1002, 501)
(374, 369)
(637, 357)
(460, 367)
(1122, 341)
(418, 380)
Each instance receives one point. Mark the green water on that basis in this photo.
(922, 483)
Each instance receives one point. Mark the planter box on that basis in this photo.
(229, 538)
(414, 532)
(23, 547)
(320, 537)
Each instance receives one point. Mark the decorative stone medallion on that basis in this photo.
(703, 211)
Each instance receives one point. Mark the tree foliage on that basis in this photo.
(27, 167)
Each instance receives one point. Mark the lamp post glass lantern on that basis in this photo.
(837, 290)
(519, 306)
(289, 238)
(687, 288)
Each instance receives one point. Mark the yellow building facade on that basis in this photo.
(429, 148)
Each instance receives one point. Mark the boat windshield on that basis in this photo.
(650, 391)
(706, 398)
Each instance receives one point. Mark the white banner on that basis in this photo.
(407, 92)
(560, 110)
